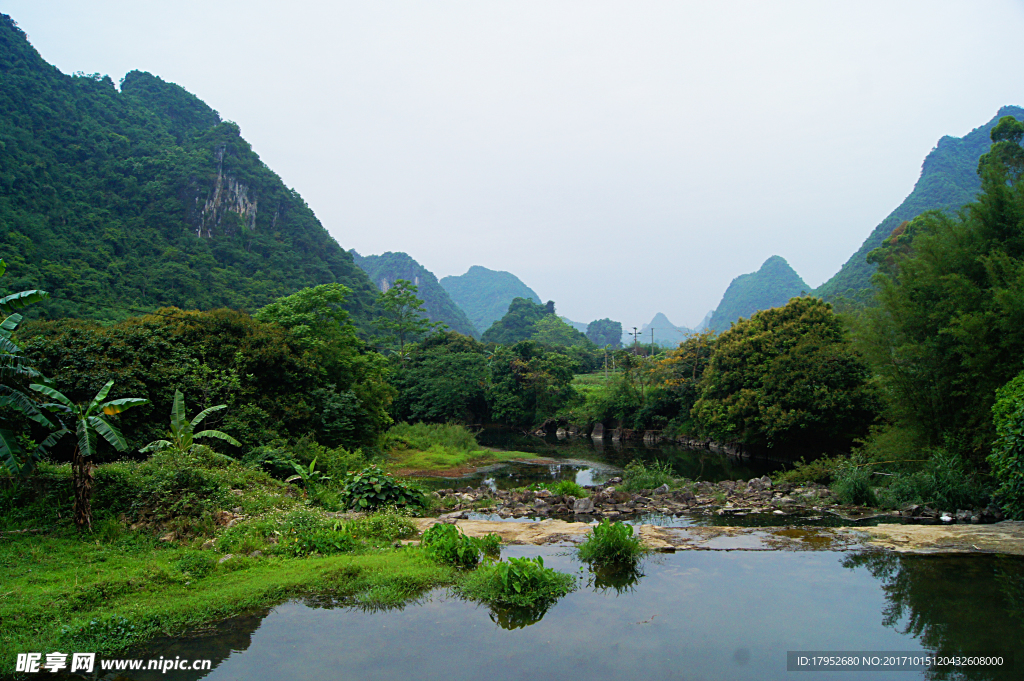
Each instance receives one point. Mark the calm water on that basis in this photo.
(588, 462)
(691, 615)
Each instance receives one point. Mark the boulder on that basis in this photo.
(664, 489)
(584, 505)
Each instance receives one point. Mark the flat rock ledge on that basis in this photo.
(1005, 537)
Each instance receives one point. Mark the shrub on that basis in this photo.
(196, 564)
(562, 487)
(322, 540)
(852, 485)
(372, 488)
(610, 543)
(518, 582)
(446, 544)
(387, 525)
(818, 470)
(423, 436)
(638, 475)
(1007, 457)
(944, 482)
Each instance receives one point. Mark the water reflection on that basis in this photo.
(617, 577)
(692, 615)
(954, 605)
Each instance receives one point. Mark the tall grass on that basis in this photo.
(611, 543)
(638, 475)
(423, 436)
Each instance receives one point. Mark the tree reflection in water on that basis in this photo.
(954, 605)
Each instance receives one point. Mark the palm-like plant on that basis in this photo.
(14, 369)
(183, 433)
(90, 423)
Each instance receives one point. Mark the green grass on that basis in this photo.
(561, 487)
(638, 475)
(65, 591)
(434, 448)
(611, 543)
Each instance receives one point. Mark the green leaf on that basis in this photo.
(53, 395)
(114, 407)
(10, 452)
(219, 435)
(17, 301)
(108, 431)
(100, 396)
(206, 412)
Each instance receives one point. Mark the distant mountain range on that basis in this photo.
(384, 270)
(484, 295)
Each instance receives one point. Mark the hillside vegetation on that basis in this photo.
(949, 179)
(385, 269)
(484, 295)
(119, 202)
(771, 286)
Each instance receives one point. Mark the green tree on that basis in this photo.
(403, 319)
(182, 431)
(90, 422)
(15, 372)
(605, 333)
(787, 377)
(443, 379)
(948, 327)
(1007, 457)
(528, 384)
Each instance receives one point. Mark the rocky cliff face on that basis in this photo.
(229, 196)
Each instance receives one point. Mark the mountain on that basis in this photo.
(526, 320)
(665, 334)
(124, 201)
(704, 323)
(771, 286)
(484, 295)
(383, 270)
(948, 180)
(579, 326)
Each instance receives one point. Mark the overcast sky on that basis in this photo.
(621, 158)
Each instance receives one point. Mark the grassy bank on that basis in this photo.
(179, 541)
(437, 449)
(63, 591)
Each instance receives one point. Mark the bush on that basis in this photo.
(1007, 457)
(446, 544)
(945, 482)
(611, 543)
(324, 541)
(852, 485)
(280, 458)
(387, 525)
(423, 436)
(638, 475)
(372, 488)
(817, 470)
(195, 564)
(562, 487)
(518, 582)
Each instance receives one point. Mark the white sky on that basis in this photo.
(621, 158)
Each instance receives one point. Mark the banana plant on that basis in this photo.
(182, 431)
(308, 477)
(15, 369)
(91, 422)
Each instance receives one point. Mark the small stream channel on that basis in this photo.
(690, 615)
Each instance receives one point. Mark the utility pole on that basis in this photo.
(652, 341)
(635, 341)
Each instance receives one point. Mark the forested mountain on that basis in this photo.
(526, 320)
(665, 332)
(384, 269)
(484, 295)
(949, 179)
(120, 201)
(771, 286)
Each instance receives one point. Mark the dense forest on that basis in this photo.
(119, 202)
(384, 270)
(771, 286)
